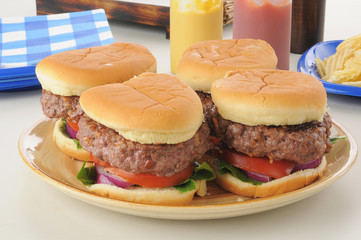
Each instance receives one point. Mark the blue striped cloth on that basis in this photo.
(24, 41)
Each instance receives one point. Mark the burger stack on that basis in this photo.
(65, 76)
(143, 131)
(270, 127)
(146, 133)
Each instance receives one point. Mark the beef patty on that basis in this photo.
(300, 143)
(209, 110)
(57, 106)
(158, 159)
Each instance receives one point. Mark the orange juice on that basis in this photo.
(192, 21)
(269, 20)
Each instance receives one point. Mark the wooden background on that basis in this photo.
(117, 10)
(152, 15)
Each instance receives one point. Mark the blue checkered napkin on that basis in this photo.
(25, 41)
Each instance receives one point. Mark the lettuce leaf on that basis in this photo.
(63, 126)
(203, 172)
(87, 175)
(186, 186)
(236, 172)
(78, 146)
(335, 139)
(200, 172)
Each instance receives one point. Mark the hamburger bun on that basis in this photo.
(269, 97)
(71, 72)
(151, 108)
(282, 185)
(207, 61)
(66, 144)
(169, 196)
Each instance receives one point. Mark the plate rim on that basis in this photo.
(193, 212)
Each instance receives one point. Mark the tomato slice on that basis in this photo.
(73, 125)
(275, 169)
(144, 179)
(98, 161)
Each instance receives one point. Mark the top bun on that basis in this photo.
(151, 108)
(207, 61)
(269, 97)
(71, 72)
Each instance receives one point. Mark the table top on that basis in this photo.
(32, 209)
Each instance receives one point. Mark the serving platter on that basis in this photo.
(41, 155)
(322, 50)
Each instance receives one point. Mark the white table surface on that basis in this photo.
(32, 209)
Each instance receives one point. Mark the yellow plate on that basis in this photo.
(43, 157)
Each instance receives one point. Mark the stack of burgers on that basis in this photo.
(270, 127)
(273, 124)
(66, 75)
(205, 62)
(147, 133)
(143, 131)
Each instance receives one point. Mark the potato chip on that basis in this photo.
(347, 75)
(356, 84)
(320, 68)
(344, 67)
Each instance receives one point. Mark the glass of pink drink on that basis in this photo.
(269, 20)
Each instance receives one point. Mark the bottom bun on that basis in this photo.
(286, 184)
(169, 196)
(66, 144)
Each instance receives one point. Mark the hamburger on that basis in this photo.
(275, 131)
(207, 61)
(64, 76)
(144, 136)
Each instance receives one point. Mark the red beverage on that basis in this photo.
(267, 20)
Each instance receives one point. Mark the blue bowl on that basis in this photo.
(322, 50)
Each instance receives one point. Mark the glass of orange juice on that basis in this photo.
(269, 20)
(193, 21)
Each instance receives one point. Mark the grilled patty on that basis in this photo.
(300, 143)
(57, 106)
(157, 159)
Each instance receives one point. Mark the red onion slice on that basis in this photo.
(303, 166)
(108, 178)
(300, 166)
(104, 179)
(258, 176)
(72, 133)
